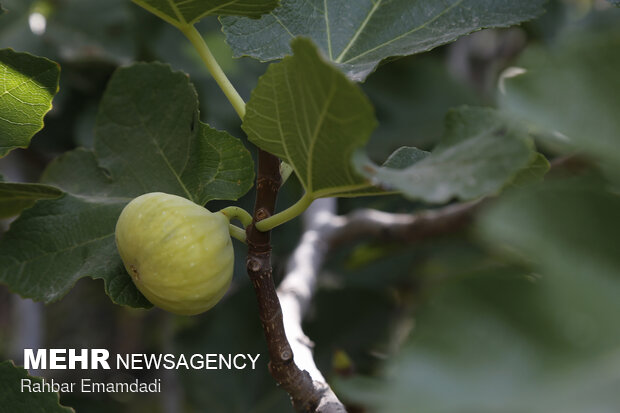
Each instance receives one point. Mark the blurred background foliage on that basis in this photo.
(518, 313)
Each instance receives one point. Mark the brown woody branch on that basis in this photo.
(296, 382)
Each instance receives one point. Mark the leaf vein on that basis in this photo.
(420, 27)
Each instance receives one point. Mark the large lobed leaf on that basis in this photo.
(187, 12)
(573, 88)
(311, 116)
(27, 85)
(358, 35)
(13, 399)
(481, 151)
(148, 133)
(148, 138)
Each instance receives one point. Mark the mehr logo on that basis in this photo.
(62, 359)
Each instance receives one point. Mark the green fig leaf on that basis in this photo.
(27, 86)
(187, 12)
(357, 36)
(313, 118)
(480, 152)
(13, 399)
(14, 197)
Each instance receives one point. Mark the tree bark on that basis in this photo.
(297, 383)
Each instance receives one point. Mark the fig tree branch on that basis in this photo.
(298, 383)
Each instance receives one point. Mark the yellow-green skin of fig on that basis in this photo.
(179, 255)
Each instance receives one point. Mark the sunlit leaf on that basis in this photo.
(27, 85)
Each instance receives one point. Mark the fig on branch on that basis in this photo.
(178, 253)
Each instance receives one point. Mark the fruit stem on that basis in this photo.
(237, 233)
(214, 68)
(284, 216)
(233, 212)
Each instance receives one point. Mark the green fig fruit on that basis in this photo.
(178, 253)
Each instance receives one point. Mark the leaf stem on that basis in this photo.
(237, 233)
(233, 212)
(284, 216)
(214, 68)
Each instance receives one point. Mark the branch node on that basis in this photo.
(261, 214)
(286, 355)
(253, 264)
